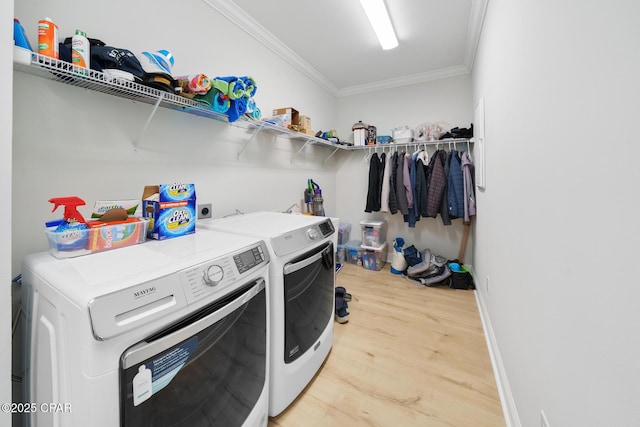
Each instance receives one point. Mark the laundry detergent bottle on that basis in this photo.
(48, 38)
(80, 49)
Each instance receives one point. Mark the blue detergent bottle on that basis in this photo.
(19, 36)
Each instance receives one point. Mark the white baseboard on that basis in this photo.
(509, 409)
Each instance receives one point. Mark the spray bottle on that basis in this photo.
(72, 229)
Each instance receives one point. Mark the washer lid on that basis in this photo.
(86, 277)
(267, 224)
(285, 233)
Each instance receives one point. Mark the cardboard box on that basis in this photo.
(305, 122)
(293, 117)
(171, 209)
(307, 131)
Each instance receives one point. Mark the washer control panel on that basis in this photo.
(216, 275)
(246, 260)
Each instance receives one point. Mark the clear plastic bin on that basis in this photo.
(374, 258)
(374, 233)
(353, 251)
(73, 243)
(344, 231)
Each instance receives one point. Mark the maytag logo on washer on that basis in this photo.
(144, 292)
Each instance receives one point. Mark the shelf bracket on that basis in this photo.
(300, 150)
(335, 150)
(136, 143)
(248, 142)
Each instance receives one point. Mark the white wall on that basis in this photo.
(71, 141)
(557, 235)
(6, 70)
(446, 100)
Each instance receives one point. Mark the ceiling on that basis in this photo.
(332, 42)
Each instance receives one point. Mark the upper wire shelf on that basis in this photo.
(65, 72)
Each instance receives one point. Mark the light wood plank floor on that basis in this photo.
(409, 356)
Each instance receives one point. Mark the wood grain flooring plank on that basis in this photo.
(409, 356)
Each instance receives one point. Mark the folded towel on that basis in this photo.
(194, 83)
(207, 99)
(237, 109)
(250, 86)
(236, 88)
(221, 103)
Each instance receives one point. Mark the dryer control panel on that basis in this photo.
(301, 238)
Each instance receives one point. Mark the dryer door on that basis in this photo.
(309, 300)
(209, 369)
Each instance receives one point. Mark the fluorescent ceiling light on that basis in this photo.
(379, 18)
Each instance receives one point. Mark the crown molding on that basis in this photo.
(442, 73)
(476, 22)
(242, 20)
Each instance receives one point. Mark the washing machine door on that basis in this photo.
(309, 283)
(209, 369)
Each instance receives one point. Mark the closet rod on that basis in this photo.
(407, 144)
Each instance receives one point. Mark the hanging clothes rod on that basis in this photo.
(450, 142)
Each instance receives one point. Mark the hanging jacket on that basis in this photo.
(406, 175)
(384, 193)
(393, 201)
(444, 203)
(437, 184)
(469, 194)
(383, 161)
(414, 214)
(373, 202)
(401, 191)
(455, 187)
(421, 184)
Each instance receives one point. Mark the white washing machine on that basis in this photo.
(302, 299)
(163, 333)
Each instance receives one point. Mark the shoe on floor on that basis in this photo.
(342, 313)
(342, 293)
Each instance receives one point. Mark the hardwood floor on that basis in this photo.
(409, 356)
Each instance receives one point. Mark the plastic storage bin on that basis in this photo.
(353, 252)
(73, 243)
(344, 231)
(374, 258)
(374, 233)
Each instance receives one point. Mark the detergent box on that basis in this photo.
(171, 210)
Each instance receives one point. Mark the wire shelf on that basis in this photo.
(65, 72)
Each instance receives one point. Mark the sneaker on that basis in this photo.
(341, 309)
(342, 293)
(342, 315)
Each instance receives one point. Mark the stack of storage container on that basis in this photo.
(344, 230)
(374, 244)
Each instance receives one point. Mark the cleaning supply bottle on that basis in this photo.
(71, 214)
(398, 263)
(19, 36)
(80, 55)
(72, 232)
(48, 38)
